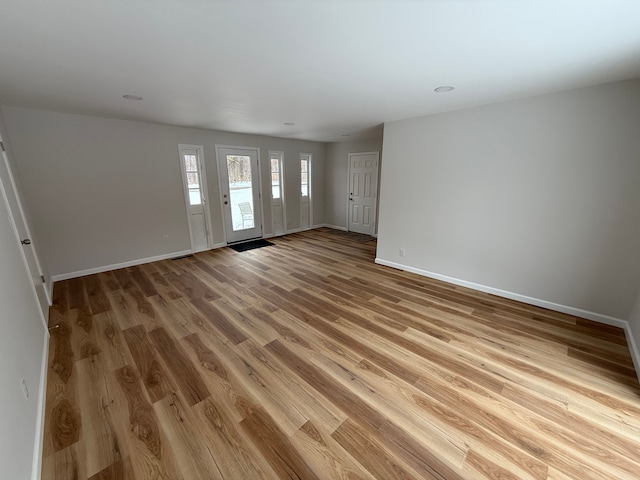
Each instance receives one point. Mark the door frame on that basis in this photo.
(4, 193)
(375, 208)
(205, 194)
(260, 197)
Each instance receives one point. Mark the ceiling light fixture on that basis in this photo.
(444, 89)
(132, 97)
(289, 124)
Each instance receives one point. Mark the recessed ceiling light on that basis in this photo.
(444, 89)
(132, 97)
(289, 124)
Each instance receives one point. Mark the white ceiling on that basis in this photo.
(334, 67)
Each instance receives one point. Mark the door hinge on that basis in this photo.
(2, 147)
(42, 278)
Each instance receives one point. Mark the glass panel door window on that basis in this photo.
(240, 191)
(304, 177)
(275, 177)
(193, 180)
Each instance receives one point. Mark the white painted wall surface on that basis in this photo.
(540, 197)
(21, 356)
(105, 191)
(337, 173)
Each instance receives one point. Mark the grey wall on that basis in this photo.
(104, 191)
(337, 161)
(539, 197)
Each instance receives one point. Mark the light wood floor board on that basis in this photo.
(305, 360)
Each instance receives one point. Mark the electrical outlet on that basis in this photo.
(165, 239)
(403, 252)
(25, 390)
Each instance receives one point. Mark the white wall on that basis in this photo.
(538, 197)
(337, 171)
(104, 191)
(22, 351)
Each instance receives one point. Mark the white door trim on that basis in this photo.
(260, 196)
(14, 226)
(48, 288)
(375, 208)
(203, 187)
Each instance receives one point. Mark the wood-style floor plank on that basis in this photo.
(307, 360)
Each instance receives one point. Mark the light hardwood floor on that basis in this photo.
(306, 360)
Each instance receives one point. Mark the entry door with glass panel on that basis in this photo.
(240, 190)
(277, 196)
(195, 188)
(305, 191)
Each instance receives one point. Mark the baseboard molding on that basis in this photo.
(634, 348)
(115, 266)
(42, 396)
(335, 227)
(293, 230)
(596, 317)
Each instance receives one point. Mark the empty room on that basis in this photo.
(337, 239)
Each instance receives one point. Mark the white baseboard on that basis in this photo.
(293, 230)
(634, 348)
(597, 317)
(115, 266)
(42, 396)
(335, 227)
(218, 245)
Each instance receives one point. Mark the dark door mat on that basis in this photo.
(243, 247)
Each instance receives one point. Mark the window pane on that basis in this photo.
(239, 168)
(240, 191)
(275, 165)
(192, 180)
(275, 191)
(194, 197)
(303, 177)
(190, 163)
(303, 165)
(304, 191)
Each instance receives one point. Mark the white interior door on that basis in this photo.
(239, 176)
(305, 191)
(195, 190)
(23, 236)
(363, 191)
(276, 160)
